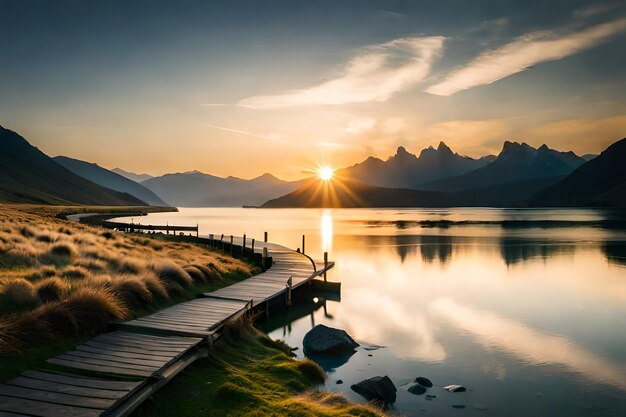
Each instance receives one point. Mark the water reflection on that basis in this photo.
(530, 345)
(511, 303)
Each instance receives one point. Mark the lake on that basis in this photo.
(526, 308)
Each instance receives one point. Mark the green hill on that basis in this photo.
(27, 175)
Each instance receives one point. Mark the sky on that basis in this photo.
(243, 88)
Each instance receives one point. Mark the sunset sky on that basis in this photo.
(243, 88)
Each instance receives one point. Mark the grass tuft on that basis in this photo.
(19, 293)
(169, 272)
(74, 272)
(51, 289)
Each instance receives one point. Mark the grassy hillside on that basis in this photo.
(27, 175)
(61, 280)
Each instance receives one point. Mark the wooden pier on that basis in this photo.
(132, 363)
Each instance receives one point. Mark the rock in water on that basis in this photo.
(377, 388)
(417, 389)
(455, 388)
(425, 382)
(329, 341)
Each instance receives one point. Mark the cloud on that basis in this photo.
(523, 53)
(374, 74)
(272, 137)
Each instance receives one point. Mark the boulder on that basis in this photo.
(455, 388)
(417, 389)
(425, 382)
(377, 388)
(328, 341)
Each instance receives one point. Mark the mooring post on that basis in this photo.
(252, 246)
(302, 243)
(265, 237)
(231, 245)
(197, 230)
(243, 247)
(325, 264)
(289, 285)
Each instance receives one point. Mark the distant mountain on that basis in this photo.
(405, 170)
(589, 156)
(599, 182)
(516, 162)
(132, 175)
(27, 175)
(196, 189)
(352, 194)
(109, 179)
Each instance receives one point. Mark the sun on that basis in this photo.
(325, 173)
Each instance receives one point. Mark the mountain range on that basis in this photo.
(109, 179)
(197, 189)
(519, 176)
(599, 182)
(406, 170)
(27, 175)
(131, 175)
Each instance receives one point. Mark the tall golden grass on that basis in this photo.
(60, 278)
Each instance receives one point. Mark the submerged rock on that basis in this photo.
(455, 388)
(340, 381)
(423, 381)
(377, 388)
(417, 389)
(326, 340)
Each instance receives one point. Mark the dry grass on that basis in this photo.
(56, 276)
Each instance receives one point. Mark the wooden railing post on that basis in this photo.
(265, 237)
(243, 247)
(252, 246)
(325, 264)
(289, 287)
(231, 246)
(302, 243)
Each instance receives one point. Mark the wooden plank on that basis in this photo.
(117, 359)
(55, 397)
(43, 409)
(131, 349)
(82, 382)
(92, 361)
(123, 354)
(148, 347)
(21, 381)
(7, 414)
(99, 368)
(158, 340)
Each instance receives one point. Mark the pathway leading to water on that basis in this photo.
(127, 366)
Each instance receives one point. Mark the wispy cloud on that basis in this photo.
(523, 53)
(374, 74)
(271, 137)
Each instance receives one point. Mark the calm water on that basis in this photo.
(527, 308)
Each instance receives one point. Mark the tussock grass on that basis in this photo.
(74, 272)
(18, 293)
(170, 272)
(56, 275)
(52, 289)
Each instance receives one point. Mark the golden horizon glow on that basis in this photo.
(325, 173)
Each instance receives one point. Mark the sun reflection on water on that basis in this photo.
(327, 231)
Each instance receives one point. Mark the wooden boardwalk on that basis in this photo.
(202, 317)
(150, 350)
